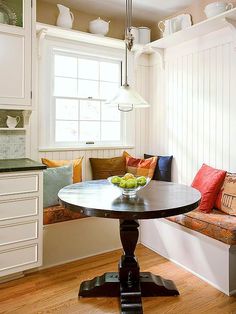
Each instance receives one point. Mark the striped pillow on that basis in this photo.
(141, 167)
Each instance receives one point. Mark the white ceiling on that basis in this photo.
(147, 10)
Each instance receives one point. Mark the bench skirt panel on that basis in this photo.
(207, 258)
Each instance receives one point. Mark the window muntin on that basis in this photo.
(81, 84)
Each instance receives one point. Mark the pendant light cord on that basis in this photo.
(128, 37)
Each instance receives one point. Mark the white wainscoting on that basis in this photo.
(196, 122)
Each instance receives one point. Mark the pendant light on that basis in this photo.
(127, 98)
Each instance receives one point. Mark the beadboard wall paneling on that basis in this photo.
(142, 130)
(197, 121)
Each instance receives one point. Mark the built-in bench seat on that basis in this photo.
(216, 224)
(58, 213)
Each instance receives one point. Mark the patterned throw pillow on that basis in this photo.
(77, 166)
(208, 181)
(228, 200)
(141, 167)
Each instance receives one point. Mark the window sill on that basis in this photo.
(83, 148)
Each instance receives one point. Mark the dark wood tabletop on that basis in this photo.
(101, 199)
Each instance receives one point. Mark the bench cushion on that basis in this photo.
(215, 224)
(58, 213)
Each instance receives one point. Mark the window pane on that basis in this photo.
(88, 69)
(108, 90)
(110, 131)
(88, 89)
(110, 72)
(66, 109)
(66, 131)
(65, 87)
(65, 66)
(89, 131)
(110, 113)
(89, 110)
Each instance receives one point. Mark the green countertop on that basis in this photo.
(20, 164)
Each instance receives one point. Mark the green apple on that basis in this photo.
(131, 183)
(141, 181)
(128, 176)
(122, 183)
(115, 180)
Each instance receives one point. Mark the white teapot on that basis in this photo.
(12, 121)
(65, 18)
(99, 27)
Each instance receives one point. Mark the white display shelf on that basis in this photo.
(215, 23)
(55, 31)
(12, 129)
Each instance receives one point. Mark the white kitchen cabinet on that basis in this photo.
(16, 57)
(21, 221)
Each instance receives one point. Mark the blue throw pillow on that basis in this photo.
(163, 168)
(55, 179)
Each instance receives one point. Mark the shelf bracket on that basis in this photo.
(148, 49)
(160, 52)
(232, 25)
(41, 35)
(231, 22)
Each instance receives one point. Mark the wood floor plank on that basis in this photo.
(55, 290)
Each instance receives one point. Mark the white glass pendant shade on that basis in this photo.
(127, 99)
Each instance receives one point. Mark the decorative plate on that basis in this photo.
(7, 15)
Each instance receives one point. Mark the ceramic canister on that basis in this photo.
(144, 35)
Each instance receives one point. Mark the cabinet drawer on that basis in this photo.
(18, 232)
(18, 184)
(19, 208)
(18, 257)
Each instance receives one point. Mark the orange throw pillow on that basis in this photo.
(141, 167)
(77, 166)
(208, 181)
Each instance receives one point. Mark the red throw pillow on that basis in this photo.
(208, 181)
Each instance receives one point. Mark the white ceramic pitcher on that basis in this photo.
(169, 26)
(65, 18)
(12, 121)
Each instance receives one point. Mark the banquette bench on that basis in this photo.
(203, 243)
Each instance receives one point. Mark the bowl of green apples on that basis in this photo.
(129, 184)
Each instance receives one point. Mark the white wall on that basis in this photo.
(196, 119)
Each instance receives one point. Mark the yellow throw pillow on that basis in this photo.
(77, 166)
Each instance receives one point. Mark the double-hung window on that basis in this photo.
(81, 84)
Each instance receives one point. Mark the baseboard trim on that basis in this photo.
(78, 259)
(11, 277)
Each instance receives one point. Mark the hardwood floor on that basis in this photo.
(55, 290)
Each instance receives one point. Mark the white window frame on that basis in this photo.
(47, 109)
